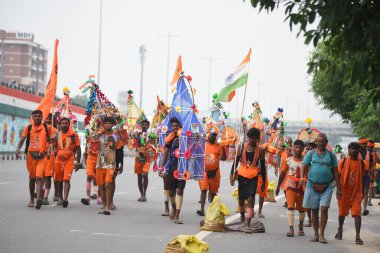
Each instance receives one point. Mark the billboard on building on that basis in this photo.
(11, 128)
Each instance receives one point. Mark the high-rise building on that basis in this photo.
(22, 60)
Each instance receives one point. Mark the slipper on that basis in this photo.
(178, 222)
(39, 204)
(200, 213)
(165, 214)
(366, 212)
(324, 241)
(93, 196)
(106, 212)
(30, 205)
(339, 234)
(290, 234)
(85, 201)
(359, 241)
(65, 203)
(301, 233)
(100, 212)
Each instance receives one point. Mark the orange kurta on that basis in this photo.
(212, 155)
(351, 180)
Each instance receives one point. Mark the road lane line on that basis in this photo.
(6, 182)
(118, 193)
(117, 235)
(201, 235)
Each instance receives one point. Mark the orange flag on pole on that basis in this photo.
(178, 71)
(50, 90)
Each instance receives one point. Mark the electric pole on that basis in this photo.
(142, 61)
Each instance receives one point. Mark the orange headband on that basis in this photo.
(370, 144)
(362, 141)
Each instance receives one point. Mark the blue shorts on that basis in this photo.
(313, 200)
(367, 181)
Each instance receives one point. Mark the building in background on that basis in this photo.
(23, 62)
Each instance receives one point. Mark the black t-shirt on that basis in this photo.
(172, 159)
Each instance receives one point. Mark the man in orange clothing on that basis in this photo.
(68, 148)
(91, 156)
(37, 136)
(106, 163)
(49, 169)
(213, 153)
(352, 173)
(290, 171)
(142, 166)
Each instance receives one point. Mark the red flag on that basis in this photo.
(50, 90)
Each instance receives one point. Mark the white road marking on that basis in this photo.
(118, 193)
(118, 235)
(6, 182)
(76, 231)
(201, 235)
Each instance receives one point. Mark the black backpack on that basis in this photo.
(28, 136)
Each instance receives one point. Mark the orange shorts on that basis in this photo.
(63, 172)
(259, 184)
(294, 200)
(141, 168)
(104, 176)
(346, 204)
(49, 168)
(90, 165)
(210, 184)
(36, 168)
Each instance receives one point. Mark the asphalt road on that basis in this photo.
(139, 227)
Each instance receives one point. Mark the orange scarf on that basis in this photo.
(41, 133)
(249, 170)
(356, 175)
(172, 136)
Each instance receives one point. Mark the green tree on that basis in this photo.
(347, 61)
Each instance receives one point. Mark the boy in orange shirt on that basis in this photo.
(68, 148)
(214, 152)
(352, 175)
(290, 171)
(37, 136)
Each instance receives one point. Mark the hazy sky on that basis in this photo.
(223, 29)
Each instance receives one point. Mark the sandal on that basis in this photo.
(100, 212)
(301, 233)
(359, 241)
(178, 222)
(200, 213)
(339, 235)
(85, 201)
(106, 212)
(290, 233)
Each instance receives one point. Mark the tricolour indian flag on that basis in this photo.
(234, 81)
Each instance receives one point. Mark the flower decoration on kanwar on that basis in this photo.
(176, 174)
(189, 133)
(177, 153)
(186, 175)
(187, 154)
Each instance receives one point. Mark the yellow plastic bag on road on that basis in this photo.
(215, 216)
(186, 244)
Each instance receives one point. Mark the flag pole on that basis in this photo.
(241, 115)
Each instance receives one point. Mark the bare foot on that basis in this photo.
(166, 213)
(112, 207)
(172, 214)
(31, 203)
(315, 238)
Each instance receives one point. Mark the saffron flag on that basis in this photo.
(178, 71)
(237, 79)
(50, 90)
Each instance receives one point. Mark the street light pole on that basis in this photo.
(100, 39)
(142, 60)
(169, 36)
(210, 60)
